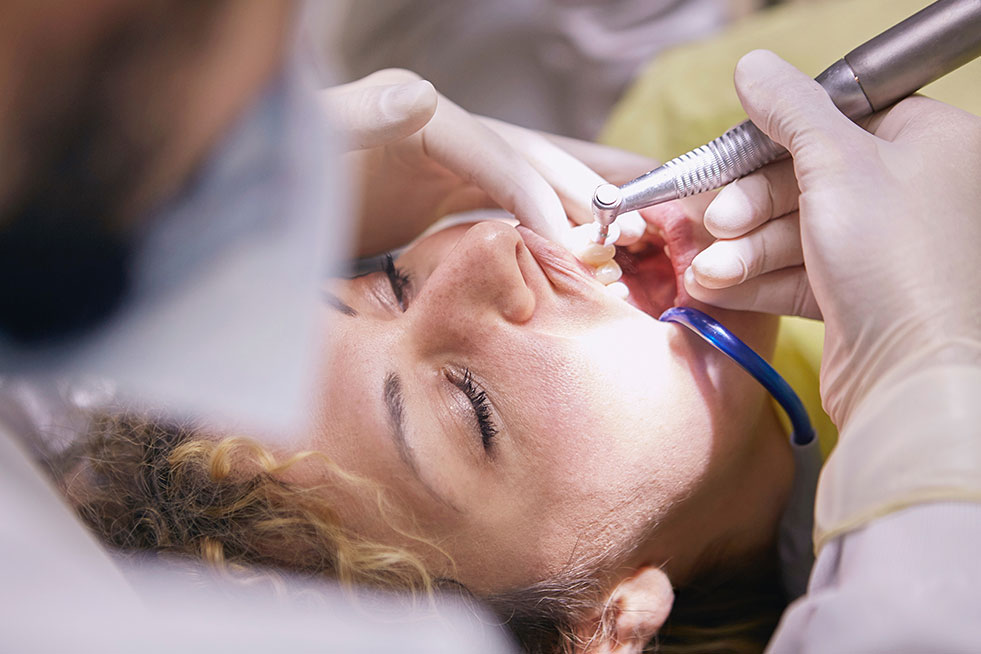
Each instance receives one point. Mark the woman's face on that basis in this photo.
(522, 418)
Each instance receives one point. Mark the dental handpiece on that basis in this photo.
(924, 47)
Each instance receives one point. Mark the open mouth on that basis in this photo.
(654, 273)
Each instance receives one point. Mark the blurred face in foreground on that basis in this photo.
(106, 109)
(524, 420)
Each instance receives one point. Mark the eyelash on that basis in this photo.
(481, 408)
(399, 279)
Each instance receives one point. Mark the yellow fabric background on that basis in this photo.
(798, 359)
(686, 97)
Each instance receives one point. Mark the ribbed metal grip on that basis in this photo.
(738, 152)
(929, 44)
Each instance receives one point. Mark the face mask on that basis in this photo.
(216, 311)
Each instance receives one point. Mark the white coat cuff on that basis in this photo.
(915, 441)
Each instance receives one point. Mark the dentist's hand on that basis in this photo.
(887, 223)
(417, 157)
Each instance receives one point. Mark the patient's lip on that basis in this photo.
(561, 267)
(681, 240)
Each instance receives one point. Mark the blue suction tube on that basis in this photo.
(725, 341)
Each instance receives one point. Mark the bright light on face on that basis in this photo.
(525, 417)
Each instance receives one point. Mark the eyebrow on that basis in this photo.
(338, 304)
(395, 403)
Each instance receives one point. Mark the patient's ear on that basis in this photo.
(637, 609)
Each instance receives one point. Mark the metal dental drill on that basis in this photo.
(894, 64)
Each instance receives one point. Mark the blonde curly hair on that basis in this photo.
(148, 485)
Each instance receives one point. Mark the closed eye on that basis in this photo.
(400, 281)
(481, 408)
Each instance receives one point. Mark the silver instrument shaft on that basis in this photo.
(878, 73)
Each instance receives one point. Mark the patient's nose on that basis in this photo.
(479, 281)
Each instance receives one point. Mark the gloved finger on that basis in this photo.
(783, 292)
(457, 140)
(370, 115)
(771, 246)
(788, 106)
(573, 180)
(915, 117)
(612, 164)
(749, 202)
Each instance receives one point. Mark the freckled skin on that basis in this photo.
(608, 421)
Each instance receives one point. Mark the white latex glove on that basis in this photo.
(419, 156)
(570, 166)
(888, 224)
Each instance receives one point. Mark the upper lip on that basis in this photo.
(670, 220)
(681, 242)
(559, 265)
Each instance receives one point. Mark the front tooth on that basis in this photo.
(618, 290)
(595, 254)
(585, 248)
(608, 272)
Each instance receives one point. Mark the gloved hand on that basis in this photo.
(887, 223)
(418, 156)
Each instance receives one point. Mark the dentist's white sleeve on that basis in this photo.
(898, 524)
(907, 582)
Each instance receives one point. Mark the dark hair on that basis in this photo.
(730, 606)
